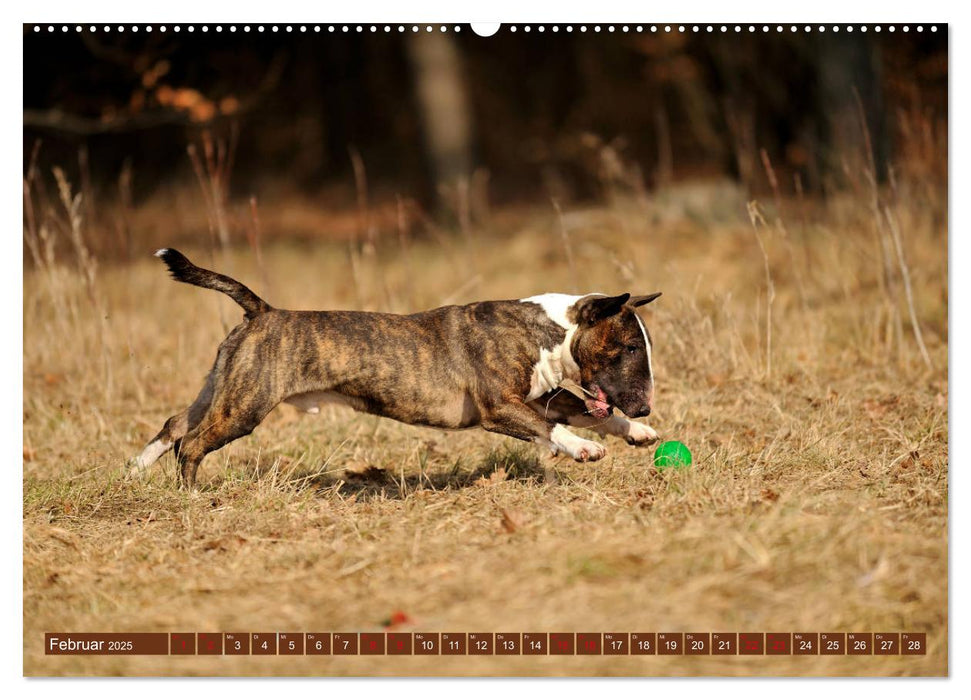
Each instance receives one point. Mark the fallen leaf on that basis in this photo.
(644, 499)
(769, 495)
(496, 477)
(397, 619)
(509, 524)
(63, 536)
(223, 543)
(878, 408)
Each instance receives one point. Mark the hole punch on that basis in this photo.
(485, 29)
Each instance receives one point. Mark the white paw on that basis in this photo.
(135, 468)
(577, 447)
(640, 434)
(588, 451)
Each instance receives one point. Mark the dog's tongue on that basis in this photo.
(599, 407)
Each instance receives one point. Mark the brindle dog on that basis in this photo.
(498, 364)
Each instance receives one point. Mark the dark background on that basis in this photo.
(540, 108)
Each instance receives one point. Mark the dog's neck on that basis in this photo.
(556, 364)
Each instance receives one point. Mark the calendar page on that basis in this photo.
(522, 349)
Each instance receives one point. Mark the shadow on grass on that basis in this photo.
(501, 464)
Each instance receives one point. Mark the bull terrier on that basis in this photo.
(502, 365)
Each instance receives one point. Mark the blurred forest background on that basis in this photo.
(448, 124)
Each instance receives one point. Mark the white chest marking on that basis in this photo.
(554, 364)
(647, 344)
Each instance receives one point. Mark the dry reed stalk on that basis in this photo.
(665, 153)
(200, 173)
(213, 169)
(905, 275)
(125, 204)
(87, 190)
(364, 243)
(781, 226)
(807, 250)
(463, 208)
(567, 244)
(755, 216)
(404, 243)
(889, 287)
(479, 197)
(30, 230)
(365, 232)
(894, 328)
(219, 162)
(254, 235)
(87, 270)
(41, 244)
(466, 287)
(354, 258)
(125, 240)
(86, 264)
(741, 130)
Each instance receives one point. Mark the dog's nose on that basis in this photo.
(644, 411)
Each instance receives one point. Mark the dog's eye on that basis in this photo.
(631, 349)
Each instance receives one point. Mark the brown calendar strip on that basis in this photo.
(93, 643)
(488, 643)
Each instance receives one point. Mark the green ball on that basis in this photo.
(672, 454)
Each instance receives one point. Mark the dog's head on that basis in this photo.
(612, 348)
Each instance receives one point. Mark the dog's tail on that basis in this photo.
(184, 271)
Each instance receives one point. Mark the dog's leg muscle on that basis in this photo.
(223, 423)
(563, 407)
(635, 433)
(518, 420)
(204, 439)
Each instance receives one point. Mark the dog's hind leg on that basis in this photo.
(175, 428)
(208, 437)
(224, 422)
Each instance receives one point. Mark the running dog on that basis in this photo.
(502, 365)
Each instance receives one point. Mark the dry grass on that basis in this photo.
(817, 502)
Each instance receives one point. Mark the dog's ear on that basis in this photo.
(596, 308)
(646, 299)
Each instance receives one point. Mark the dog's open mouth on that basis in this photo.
(598, 406)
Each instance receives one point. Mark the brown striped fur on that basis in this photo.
(451, 367)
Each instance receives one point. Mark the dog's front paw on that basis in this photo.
(587, 451)
(640, 434)
(562, 440)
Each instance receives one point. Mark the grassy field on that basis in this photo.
(785, 356)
